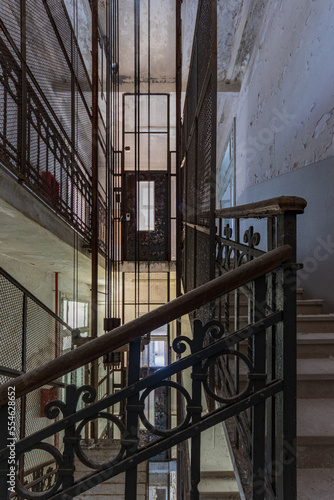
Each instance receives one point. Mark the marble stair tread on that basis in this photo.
(315, 419)
(218, 488)
(315, 484)
(311, 338)
(315, 369)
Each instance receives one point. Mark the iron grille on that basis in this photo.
(199, 150)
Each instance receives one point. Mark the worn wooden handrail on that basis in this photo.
(265, 208)
(140, 326)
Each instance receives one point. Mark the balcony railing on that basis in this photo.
(46, 117)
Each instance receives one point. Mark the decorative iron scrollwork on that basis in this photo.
(233, 398)
(157, 430)
(59, 473)
(53, 408)
(215, 329)
(250, 238)
(93, 464)
(179, 344)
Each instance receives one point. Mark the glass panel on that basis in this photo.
(158, 113)
(153, 152)
(160, 331)
(158, 288)
(173, 196)
(75, 313)
(157, 350)
(173, 162)
(173, 239)
(146, 217)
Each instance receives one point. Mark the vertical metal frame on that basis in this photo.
(201, 87)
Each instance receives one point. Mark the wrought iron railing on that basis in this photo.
(237, 242)
(259, 394)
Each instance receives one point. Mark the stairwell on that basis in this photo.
(104, 451)
(315, 424)
(315, 401)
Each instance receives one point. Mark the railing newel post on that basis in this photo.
(286, 364)
(259, 410)
(195, 461)
(69, 453)
(132, 424)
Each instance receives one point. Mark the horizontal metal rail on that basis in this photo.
(265, 208)
(221, 414)
(144, 383)
(145, 324)
(35, 299)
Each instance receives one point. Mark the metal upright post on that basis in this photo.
(22, 135)
(286, 365)
(196, 410)
(69, 438)
(23, 406)
(132, 419)
(259, 410)
(94, 217)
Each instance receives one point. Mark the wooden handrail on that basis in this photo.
(151, 321)
(265, 208)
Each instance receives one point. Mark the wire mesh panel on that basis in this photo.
(199, 150)
(11, 320)
(45, 108)
(206, 156)
(31, 335)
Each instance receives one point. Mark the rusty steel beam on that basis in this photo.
(95, 188)
(145, 324)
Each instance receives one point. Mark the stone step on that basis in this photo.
(309, 306)
(304, 307)
(315, 433)
(315, 484)
(315, 378)
(114, 487)
(315, 345)
(315, 323)
(218, 487)
(309, 345)
(306, 323)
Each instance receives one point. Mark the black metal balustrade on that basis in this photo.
(259, 400)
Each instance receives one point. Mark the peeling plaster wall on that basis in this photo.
(162, 45)
(188, 14)
(285, 127)
(285, 110)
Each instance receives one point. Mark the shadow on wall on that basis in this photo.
(315, 242)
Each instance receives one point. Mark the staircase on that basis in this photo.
(315, 396)
(315, 409)
(114, 488)
(217, 474)
(315, 403)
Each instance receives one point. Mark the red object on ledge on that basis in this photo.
(48, 395)
(51, 187)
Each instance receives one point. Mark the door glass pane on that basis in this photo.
(146, 219)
